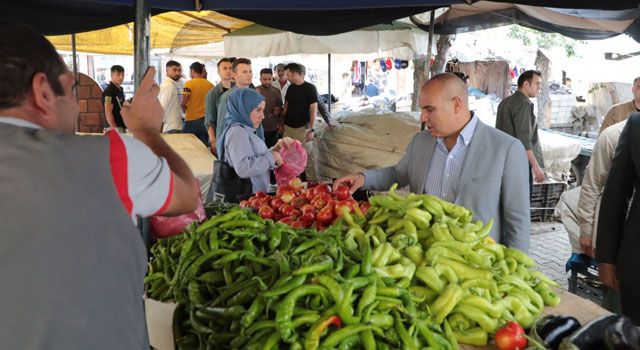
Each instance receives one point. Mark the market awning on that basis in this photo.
(54, 17)
(574, 23)
(259, 41)
(168, 30)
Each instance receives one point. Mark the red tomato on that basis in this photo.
(343, 204)
(511, 337)
(298, 224)
(298, 202)
(261, 194)
(325, 216)
(276, 203)
(322, 188)
(296, 213)
(342, 192)
(308, 207)
(286, 209)
(266, 212)
(319, 203)
(244, 204)
(287, 220)
(287, 197)
(308, 216)
(283, 189)
(364, 206)
(295, 183)
(320, 226)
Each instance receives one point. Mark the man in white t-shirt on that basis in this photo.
(170, 99)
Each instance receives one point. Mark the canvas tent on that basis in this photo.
(402, 40)
(168, 30)
(53, 17)
(577, 24)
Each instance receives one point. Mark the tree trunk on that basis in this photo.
(420, 67)
(443, 46)
(544, 108)
(419, 77)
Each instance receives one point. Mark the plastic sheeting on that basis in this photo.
(363, 141)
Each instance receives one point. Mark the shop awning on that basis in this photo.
(168, 30)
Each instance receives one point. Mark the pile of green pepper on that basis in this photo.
(414, 272)
(244, 282)
(457, 273)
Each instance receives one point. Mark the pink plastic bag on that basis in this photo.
(167, 226)
(294, 160)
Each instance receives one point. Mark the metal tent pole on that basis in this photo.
(141, 42)
(329, 79)
(74, 57)
(429, 46)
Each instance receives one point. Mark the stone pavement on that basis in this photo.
(550, 248)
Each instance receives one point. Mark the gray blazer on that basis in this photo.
(494, 182)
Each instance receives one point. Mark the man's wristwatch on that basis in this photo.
(309, 129)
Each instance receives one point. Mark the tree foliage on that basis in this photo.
(543, 40)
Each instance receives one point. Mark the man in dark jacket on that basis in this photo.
(618, 223)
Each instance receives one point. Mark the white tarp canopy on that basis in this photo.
(401, 40)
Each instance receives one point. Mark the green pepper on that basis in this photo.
(195, 295)
(519, 256)
(446, 302)
(350, 343)
(550, 298)
(415, 253)
(345, 311)
(353, 271)
(332, 286)
(421, 218)
(459, 322)
(229, 225)
(214, 313)
(433, 206)
(381, 320)
(368, 341)
(407, 341)
(286, 288)
(493, 310)
(323, 263)
(285, 310)
(257, 307)
(448, 273)
(543, 279)
(423, 294)
(474, 336)
(430, 277)
(345, 332)
(520, 312)
(460, 234)
(312, 339)
(464, 271)
(239, 254)
(367, 298)
(430, 337)
(437, 251)
(485, 230)
(275, 239)
(487, 323)
(214, 221)
(441, 232)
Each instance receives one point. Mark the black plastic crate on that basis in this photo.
(584, 283)
(544, 198)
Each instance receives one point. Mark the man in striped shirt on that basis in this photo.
(462, 160)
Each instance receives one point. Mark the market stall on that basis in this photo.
(389, 272)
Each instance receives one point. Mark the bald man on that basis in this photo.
(460, 159)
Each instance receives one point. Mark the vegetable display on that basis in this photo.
(412, 272)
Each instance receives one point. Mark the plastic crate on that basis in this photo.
(584, 279)
(544, 198)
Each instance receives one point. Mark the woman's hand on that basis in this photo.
(277, 158)
(285, 141)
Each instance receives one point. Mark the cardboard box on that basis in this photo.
(160, 323)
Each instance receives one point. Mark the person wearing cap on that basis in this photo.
(193, 102)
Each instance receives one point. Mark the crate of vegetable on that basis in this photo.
(408, 272)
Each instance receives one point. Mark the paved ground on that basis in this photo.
(551, 249)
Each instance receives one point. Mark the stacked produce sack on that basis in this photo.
(413, 272)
